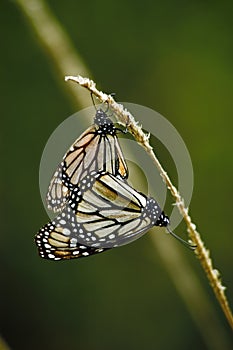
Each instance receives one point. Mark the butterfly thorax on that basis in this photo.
(154, 212)
(105, 125)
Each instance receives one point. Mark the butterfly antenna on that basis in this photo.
(93, 101)
(186, 244)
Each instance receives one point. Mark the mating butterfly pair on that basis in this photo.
(98, 209)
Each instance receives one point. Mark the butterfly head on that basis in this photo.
(163, 220)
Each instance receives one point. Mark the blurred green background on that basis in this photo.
(173, 56)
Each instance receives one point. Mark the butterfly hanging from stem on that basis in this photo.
(98, 209)
(97, 149)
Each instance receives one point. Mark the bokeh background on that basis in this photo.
(173, 56)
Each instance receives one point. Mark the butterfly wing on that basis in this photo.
(59, 188)
(102, 213)
(57, 193)
(110, 213)
(57, 240)
(97, 149)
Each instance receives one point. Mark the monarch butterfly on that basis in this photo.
(103, 212)
(97, 149)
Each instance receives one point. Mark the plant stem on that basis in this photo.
(3, 345)
(64, 58)
(56, 44)
(202, 253)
